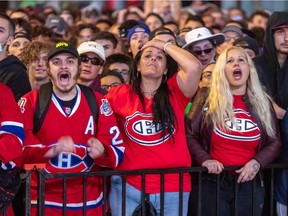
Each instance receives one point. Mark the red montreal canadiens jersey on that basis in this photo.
(80, 125)
(144, 145)
(239, 144)
(11, 131)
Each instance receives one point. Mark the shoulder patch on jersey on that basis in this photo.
(21, 104)
(105, 107)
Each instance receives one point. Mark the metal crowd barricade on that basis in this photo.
(42, 176)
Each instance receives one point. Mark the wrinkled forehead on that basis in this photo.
(152, 49)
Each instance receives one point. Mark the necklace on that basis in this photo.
(148, 94)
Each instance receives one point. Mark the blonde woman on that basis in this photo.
(236, 127)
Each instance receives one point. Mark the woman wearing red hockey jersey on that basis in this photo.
(237, 126)
(150, 114)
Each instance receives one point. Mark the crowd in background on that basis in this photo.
(158, 61)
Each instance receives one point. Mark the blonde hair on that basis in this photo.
(220, 99)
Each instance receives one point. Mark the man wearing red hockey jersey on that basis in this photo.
(70, 140)
(11, 140)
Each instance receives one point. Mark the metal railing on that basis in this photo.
(43, 176)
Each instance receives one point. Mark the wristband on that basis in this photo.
(165, 46)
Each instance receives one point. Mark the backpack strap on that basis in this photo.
(44, 99)
(91, 99)
(42, 105)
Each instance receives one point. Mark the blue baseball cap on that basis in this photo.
(138, 28)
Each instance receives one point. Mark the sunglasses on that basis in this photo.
(206, 51)
(94, 61)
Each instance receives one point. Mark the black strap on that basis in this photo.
(42, 105)
(91, 99)
(44, 99)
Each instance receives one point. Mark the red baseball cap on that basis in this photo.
(281, 26)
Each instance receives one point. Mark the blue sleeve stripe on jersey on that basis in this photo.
(8, 165)
(13, 128)
(119, 152)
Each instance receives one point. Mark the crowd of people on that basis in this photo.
(151, 86)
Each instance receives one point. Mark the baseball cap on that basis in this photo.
(62, 47)
(248, 43)
(22, 35)
(202, 33)
(280, 26)
(138, 28)
(92, 46)
(125, 27)
(233, 29)
(57, 23)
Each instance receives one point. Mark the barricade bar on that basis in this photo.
(106, 174)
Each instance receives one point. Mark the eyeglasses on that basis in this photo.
(107, 87)
(206, 51)
(94, 61)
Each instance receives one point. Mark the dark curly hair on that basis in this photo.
(163, 113)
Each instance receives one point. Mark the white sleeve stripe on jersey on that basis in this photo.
(73, 206)
(12, 123)
(35, 146)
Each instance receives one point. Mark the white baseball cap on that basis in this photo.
(202, 33)
(92, 46)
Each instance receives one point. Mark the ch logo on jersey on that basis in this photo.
(105, 108)
(140, 128)
(71, 162)
(245, 128)
(242, 125)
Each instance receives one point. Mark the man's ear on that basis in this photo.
(9, 40)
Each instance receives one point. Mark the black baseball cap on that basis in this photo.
(247, 42)
(125, 26)
(63, 47)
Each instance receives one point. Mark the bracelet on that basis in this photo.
(165, 46)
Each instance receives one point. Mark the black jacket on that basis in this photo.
(13, 74)
(272, 76)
